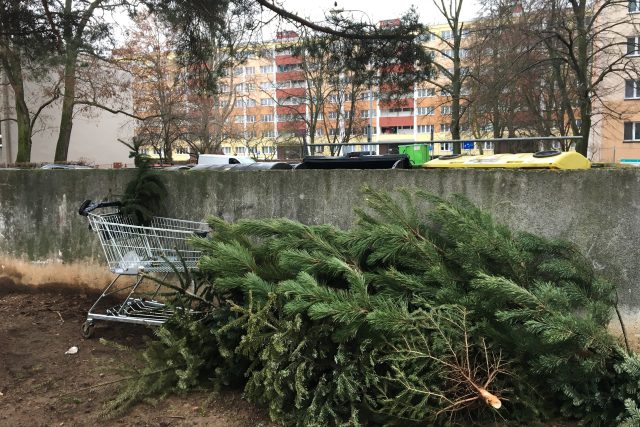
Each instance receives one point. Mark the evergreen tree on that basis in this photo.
(429, 316)
(143, 195)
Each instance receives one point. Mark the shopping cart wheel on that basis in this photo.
(88, 328)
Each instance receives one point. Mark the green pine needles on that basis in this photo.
(426, 313)
(144, 194)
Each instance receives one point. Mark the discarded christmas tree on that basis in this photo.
(437, 316)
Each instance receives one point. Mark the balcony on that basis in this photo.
(391, 113)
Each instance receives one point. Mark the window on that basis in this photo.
(226, 150)
(239, 87)
(267, 86)
(333, 99)
(446, 146)
(239, 102)
(632, 89)
(365, 130)
(250, 119)
(447, 53)
(286, 117)
(267, 101)
(367, 113)
(333, 114)
(182, 150)
(426, 111)
(266, 69)
(444, 92)
(239, 119)
(250, 87)
(249, 70)
(487, 145)
(425, 129)
(283, 52)
(445, 127)
(269, 134)
(369, 95)
(634, 6)
(238, 71)
(268, 149)
(422, 93)
(241, 151)
(250, 102)
(289, 67)
(292, 100)
(267, 117)
(632, 131)
(446, 35)
(224, 88)
(334, 131)
(445, 109)
(633, 45)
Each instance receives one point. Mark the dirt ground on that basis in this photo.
(40, 385)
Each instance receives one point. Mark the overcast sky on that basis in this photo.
(379, 9)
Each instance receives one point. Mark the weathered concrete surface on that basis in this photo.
(599, 210)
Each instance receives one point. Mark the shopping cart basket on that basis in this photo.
(135, 250)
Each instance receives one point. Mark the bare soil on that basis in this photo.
(43, 386)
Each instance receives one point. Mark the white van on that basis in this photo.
(223, 159)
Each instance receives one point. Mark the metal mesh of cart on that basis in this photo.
(163, 246)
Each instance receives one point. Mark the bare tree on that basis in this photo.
(451, 74)
(583, 42)
(25, 55)
(159, 85)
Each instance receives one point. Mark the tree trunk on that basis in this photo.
(24, 130)
(66, 118)
(13, 71)
(584, 78)
(582, 146)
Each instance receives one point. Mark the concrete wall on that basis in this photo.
(599, 210)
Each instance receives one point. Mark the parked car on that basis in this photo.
(207, 160)
(63, 166)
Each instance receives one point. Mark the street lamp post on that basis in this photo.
(370, 114)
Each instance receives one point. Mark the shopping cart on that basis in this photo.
(134, 250)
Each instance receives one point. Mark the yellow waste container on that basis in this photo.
(539, 160)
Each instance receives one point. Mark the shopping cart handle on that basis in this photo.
(87, 206)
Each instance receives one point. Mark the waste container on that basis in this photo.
(418, 153)
(388, 161)
(540, 160)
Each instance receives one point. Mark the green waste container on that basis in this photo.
(418, 153)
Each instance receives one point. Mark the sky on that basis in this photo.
(378, 10)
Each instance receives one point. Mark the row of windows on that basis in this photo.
(421, 111)
(293, 84)
(241, 151)
(249, 71)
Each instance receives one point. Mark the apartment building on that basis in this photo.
(615, 134)
(420, 116)
(273, 106)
